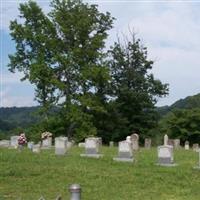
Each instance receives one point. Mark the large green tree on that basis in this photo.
(61, 53)
(134, 89)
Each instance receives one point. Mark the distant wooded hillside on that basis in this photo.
(11, 118)
(189, 102)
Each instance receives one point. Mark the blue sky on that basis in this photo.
(170, 30)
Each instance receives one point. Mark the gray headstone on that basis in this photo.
(165, 155)
(36, 148)
(195, 147)
(111, 144)
(125, 153)
(92, 147)
(135, 141)
(147, 143)
(30, 145)
(176, 143)
(187, 145)
(61, 145)
(47, 143)
(81, 144)
(14, 141)
(4, 143)
(171, 142)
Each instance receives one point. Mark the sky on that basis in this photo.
(169, 29)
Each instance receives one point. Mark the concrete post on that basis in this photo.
(75, 191)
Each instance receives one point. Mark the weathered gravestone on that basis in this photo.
(125, 153)
(128, 139)
(14, 141)
(165, 156)
(135, 141)
(61, 145)
(171, 142)
(70, 144)
(36, 148)
(187, 145)
(147, 143)
(198, 166)
(111, 144)
(4, 143)
(195, 147)
(81, 144)
(30, 145)
(177, 143)
(166, 138)
(92, 148)
(47, 143)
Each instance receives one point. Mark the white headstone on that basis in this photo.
(36, 148)
(176, 143)
(166, 140)
(187, 145)
(92, 147)
(128, 139)
(147, 143)
(124, 152)
(4, 143)
(47, 143)
(30, 145)
(81, 144)
(14, 141)
(165, 155)
(61, 145)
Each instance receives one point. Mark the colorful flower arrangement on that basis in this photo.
(22, 139)
(46, 135)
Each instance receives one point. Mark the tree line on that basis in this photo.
(93, 90)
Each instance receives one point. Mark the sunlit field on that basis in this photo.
(28, 176)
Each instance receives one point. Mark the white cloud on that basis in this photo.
(12, 79)
(171, 34)
(10, 100)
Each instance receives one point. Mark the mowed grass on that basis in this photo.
(28, 176)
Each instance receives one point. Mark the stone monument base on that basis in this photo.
(123, 159)
(196, 167)
(92, 155)
(167, 164)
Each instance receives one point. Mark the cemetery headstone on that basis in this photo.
(147, 143)
(14, 141)
(46, 140)
(125, 153)
(195, 147)
(61, 145)
(128, 139)
(111, 144)
(135, 141)
(198, 166)
(81, 144)
(176, 143)
(166, 138)
(92, 148)
(165, 156)
(187, 145)
(171, 142)
(4, 143)
(69, 144)
(30, 145)
(36, 148)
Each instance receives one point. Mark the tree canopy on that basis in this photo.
(97, 91)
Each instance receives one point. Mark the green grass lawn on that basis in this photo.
(27, 176)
